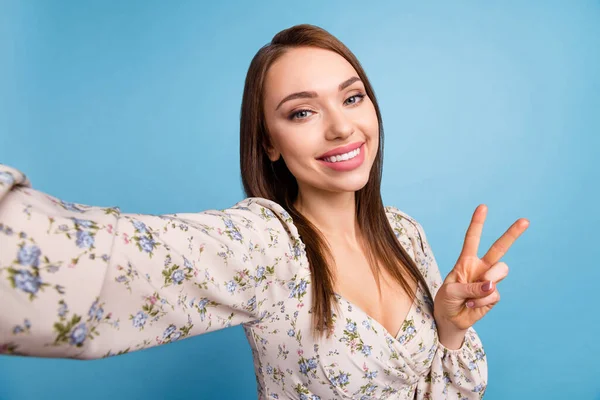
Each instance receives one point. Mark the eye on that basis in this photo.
(300, 114)
(357, 98)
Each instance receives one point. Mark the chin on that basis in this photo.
(352, 184)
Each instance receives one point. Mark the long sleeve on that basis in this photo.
(454, 374)
(87, 282)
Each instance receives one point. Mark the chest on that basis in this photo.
(357, 283)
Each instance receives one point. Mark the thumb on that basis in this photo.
(463, 291)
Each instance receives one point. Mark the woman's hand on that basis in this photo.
(463, 299)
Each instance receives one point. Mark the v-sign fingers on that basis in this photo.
(501, 246)
(473, 235)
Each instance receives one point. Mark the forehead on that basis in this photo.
(307, 69)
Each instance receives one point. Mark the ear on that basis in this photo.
(272, 152)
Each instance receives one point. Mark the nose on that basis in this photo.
(340, 126)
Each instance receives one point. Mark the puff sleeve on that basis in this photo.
(85, 282)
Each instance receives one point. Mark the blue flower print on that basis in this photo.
(147, 244)
(84, 240)
(351, 327)
(479, 354)
(297, 251)
(229, 224)
(6, 178)
(231, 285)
(178, 276)
(371, 375)
(78, 334)
(269, 213)
(299, 290)
(170, 329)
(202, 303)
(93, 309)
(27, 282)
(236, 236)
(366, 350)
(410, 330)
(140, 319)
(139, 226)
(366, 324)
(187, 264)
(343, 379)
(307, 365)
(63, 309)
(70, 206)
(252, 303)
(291, 332)
(83, 222)
(260, 271)
(478, 388)
(29, 256)
(175, 336)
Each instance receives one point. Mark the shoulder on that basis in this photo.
(11, 177)
(263, 208)
(276, 223)
(401, 221)
(407, 230)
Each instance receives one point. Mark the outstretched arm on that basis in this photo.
(86, 282)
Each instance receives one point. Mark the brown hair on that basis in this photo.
(274, 181)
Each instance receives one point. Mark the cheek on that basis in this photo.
(371, 121)
(296, 143)
(369, 125)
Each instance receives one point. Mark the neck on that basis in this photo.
(334, 214)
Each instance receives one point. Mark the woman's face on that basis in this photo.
(316, 107)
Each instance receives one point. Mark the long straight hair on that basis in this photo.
(274, 181)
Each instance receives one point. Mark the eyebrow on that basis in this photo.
(312, 95)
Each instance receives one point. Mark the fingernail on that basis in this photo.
(470, 303)
(487, 286)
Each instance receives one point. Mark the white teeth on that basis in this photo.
(343, 157)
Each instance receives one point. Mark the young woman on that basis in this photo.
(339, 296)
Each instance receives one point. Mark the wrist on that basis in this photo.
(450, 336)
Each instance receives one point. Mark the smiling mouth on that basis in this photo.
(343, 157)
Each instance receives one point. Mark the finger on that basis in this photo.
(468, 291)
(489, 300)
(501, 246)
(473, 235)
(496, 273)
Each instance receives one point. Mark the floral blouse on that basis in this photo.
(86, 282)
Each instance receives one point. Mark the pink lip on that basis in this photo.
(341, 150)
(348, 165)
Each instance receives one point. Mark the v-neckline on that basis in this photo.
(379, 324)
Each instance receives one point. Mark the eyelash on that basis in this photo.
(361, 96)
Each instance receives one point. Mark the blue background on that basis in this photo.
(136, 104)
